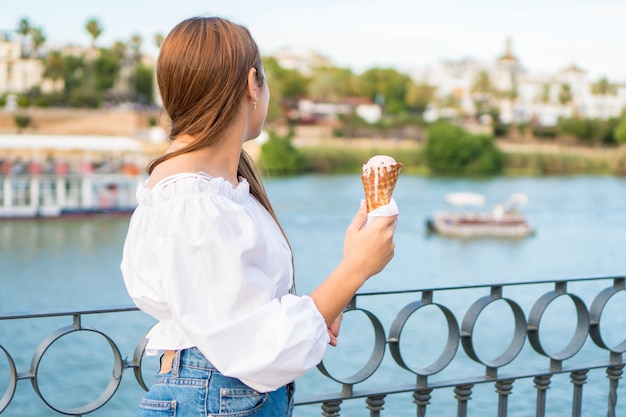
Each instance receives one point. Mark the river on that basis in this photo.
(580, 223)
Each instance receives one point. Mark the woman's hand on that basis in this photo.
(333, 330)
(369, 248)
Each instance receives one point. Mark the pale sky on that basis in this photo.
(546, 35)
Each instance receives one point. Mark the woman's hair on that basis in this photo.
(202, 74)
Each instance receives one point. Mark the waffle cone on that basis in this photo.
(379, 184)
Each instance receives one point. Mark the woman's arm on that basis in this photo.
(366, 252)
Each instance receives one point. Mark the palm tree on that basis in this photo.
(135, 45)
(604, 88)
(158, 39)
(38, 39)
(482, 90)
(24, 29)
(94, 29)
(53, 66)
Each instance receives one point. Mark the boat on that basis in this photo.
(53, 176)
(52, 196)
(504, 221)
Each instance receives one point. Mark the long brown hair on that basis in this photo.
(202, 73)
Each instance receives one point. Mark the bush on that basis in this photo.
(280, 157)
(450, 150)
(22, 121)
(619, 133)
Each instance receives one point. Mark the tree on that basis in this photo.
(158, 39)
(482, 90)
(332, 83)
(280, 157)
(565, 95)
(38, 39)
(94, 29)
(285, 84)
(620, 132)
(24, 28)
(53, 66)
(451, 150)
(419, 96)
(604, 88)
(386, 86)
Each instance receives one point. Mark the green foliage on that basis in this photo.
(85, 97)
(49, 100)
(23, 101)
(284, 84)
(451, 150)
(280, 157)
(328, 159)
(22, 121)
(387, 85)
(590, 131)
(144, 84)
(106, 68)
(620, 132)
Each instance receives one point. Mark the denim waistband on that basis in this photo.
(192, 357)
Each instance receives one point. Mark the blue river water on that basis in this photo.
(64, 264)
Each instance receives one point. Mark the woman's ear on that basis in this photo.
(252, 84)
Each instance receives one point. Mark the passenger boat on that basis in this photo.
(503, 221)
(66, 176)
(48, 196)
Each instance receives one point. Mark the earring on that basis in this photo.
(254, 102)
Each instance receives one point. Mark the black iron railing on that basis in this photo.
(511, 323)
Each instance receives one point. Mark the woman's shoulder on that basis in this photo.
(181, 184)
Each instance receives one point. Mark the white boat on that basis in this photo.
(49, 176)
(50, 196)
(503, 221)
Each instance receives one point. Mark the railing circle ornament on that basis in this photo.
(375, 359)
(595, 312)
(452, 344)
(519, 334)
(108, 392)
(140, 349)
(10, 391)
(580, 334)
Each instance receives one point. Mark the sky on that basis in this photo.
(546, 35)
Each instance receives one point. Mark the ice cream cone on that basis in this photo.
(379, 178)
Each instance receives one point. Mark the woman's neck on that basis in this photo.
(218, 160)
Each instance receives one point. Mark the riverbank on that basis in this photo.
(528, 157)
(331, 154)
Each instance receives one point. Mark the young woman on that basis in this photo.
(205, 254)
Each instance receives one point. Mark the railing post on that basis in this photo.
(542, 383)
(463, 393)
(614, 373)
(375, 404)
(331, 408)
(421, 398)
(504, 388)
(578, 378)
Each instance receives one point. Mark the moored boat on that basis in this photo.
(51, 176)
(50, 196)
(503, 221)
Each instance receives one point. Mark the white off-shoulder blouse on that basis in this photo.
(210, 264)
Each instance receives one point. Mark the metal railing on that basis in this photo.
(584, 305)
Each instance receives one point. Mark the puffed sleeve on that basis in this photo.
(215, 273)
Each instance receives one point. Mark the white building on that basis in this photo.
(17, 74)
(520, 95)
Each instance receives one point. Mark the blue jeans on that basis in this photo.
(194, 388)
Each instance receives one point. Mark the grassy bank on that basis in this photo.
(521, 159)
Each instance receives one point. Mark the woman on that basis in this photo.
(205, 254)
